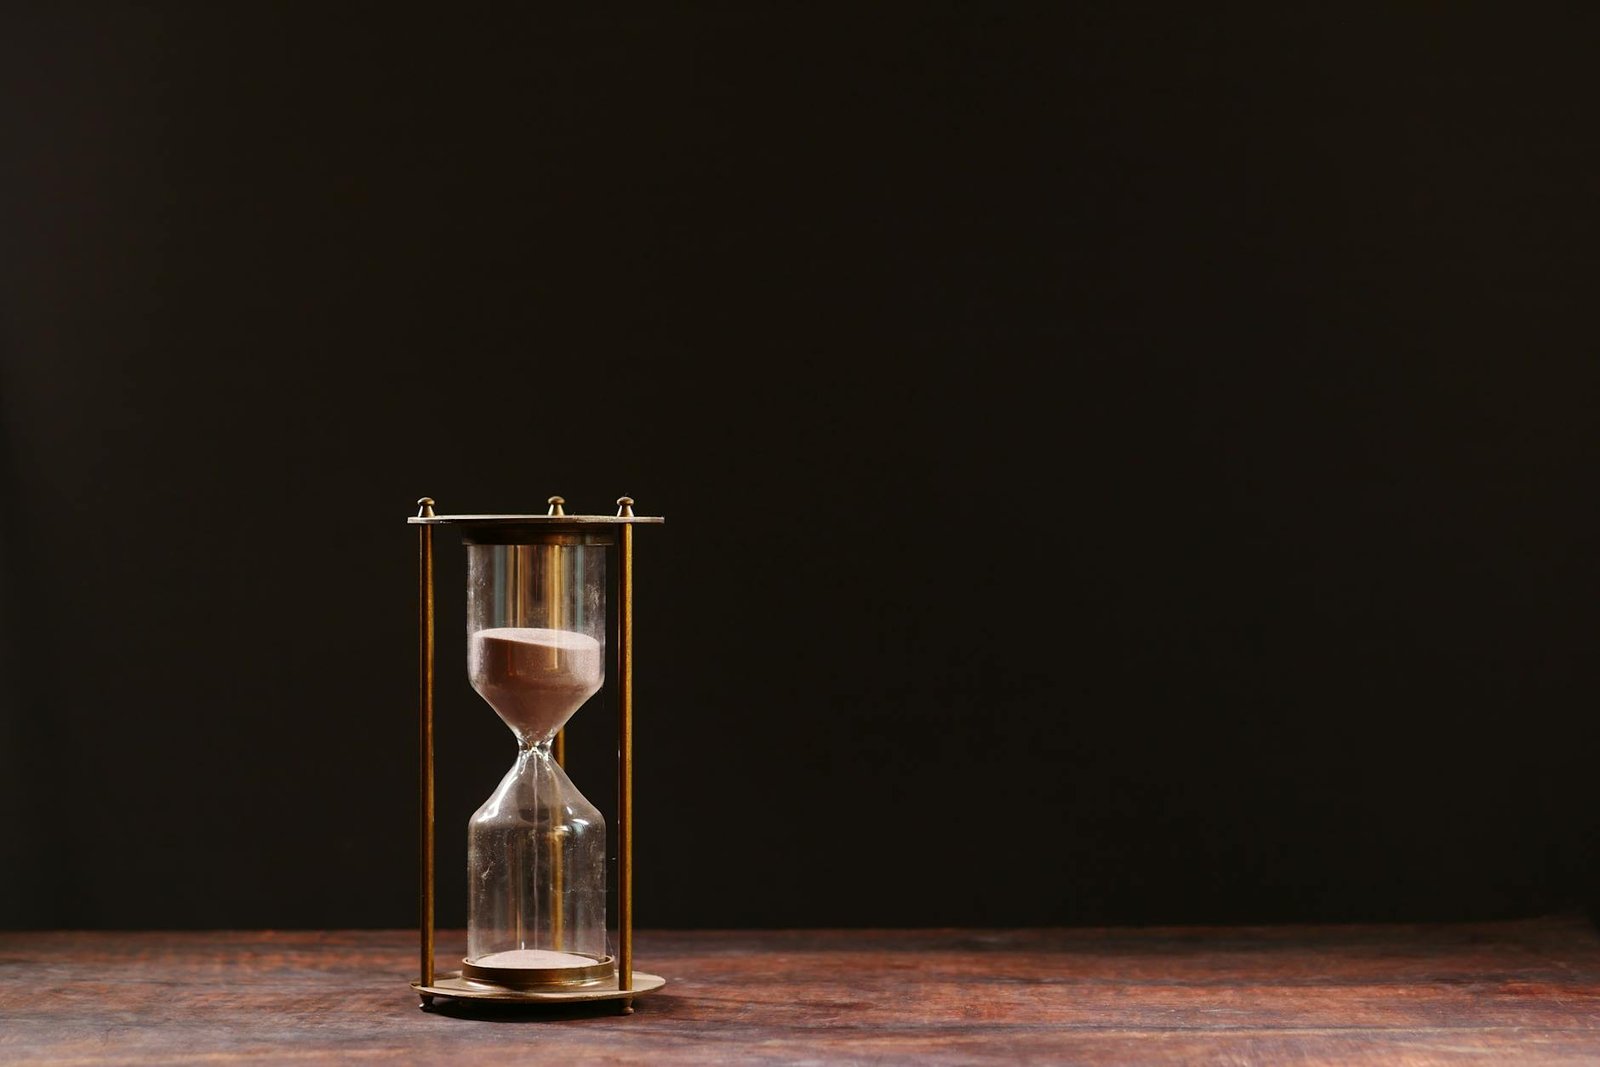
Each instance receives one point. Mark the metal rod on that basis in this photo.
(425, 736)
(625, 763)
(555, 592)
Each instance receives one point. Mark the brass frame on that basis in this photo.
(626, 983)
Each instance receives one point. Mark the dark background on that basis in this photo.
(1122, 463)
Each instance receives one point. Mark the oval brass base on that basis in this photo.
(454, 985)
(590, 974)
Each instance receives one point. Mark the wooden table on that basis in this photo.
(1523, 992)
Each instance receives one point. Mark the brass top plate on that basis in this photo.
(555, 521)
(534, 529)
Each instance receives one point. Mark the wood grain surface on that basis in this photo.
(1522, 992)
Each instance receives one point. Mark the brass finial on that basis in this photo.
(425, 508)
(624, 507)
(555, 506)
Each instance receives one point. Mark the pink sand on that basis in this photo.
(534, 678)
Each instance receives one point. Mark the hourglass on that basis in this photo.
(540, 637)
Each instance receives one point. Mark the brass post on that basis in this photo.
(425, 736)
(559, 747)
(625, 757)
(555, 581)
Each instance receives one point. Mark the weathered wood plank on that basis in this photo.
(1525, 991)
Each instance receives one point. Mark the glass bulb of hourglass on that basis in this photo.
(536, 858)
(536, 849)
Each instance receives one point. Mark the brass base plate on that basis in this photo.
(592, 974)
(453, 985)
